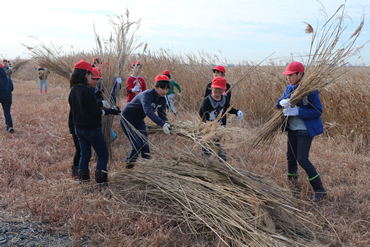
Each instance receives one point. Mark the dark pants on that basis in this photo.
(77, 156)
(299, 144)
(94, 138)
(7, 115)
(221, 151)
(138, 143)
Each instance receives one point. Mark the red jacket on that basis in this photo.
(131, 83)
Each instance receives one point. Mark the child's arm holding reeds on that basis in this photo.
(313, 109)
(204, 110)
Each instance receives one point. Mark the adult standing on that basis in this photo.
(43, 76)
(6, 89)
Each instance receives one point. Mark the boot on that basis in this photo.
(320, 192)
(101, 177)
(129, 164)
(84, 175)
(75, 172)
(293, 179)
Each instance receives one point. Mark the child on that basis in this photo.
(171, 92)
(303, 124)
(7, 67)
(135, 84)
(86, 117)
(43, 76)
(6, 89)
(218, 71)
(214, 104)
(145, 104)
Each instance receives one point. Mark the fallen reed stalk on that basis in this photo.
(239, 207)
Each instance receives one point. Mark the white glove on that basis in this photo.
(166, 128)
(10, 68)
(119, 80)
(136, 89)
(284, 102)
(240, 115)
(105, 104)
(291, 111)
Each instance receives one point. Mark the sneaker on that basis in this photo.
(10, 129)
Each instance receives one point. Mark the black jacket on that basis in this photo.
(6, 87)
(85, 111)
(211, 109)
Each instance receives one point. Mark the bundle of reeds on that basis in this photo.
(326, 56)
(52, 58)
(20, 64)
(239, 207)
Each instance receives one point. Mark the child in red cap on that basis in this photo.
(86, 116)
(132, 123)
(135, 84)
(304, 122)
(218, 71)
(215, 104)
(171, 92)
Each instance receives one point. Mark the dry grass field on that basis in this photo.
(36, 159)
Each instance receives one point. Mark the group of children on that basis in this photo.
(303, 123)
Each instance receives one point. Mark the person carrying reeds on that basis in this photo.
(132, 122)
(218, 71)
(6, 100)
(215, 107)
(171, 91)
(7, 67)
(43, 77)
(134, 83)
(86, 117)
(303, 124)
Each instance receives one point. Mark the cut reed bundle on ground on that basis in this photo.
(238, 206)
(326, 56)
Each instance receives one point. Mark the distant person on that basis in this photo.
(7, 67)
(43, 76)
(218, 71)
(303, 124)
(215, 104)
(86, 117)
(145, 104)
(6, 89)
(135, 84)
(171, 92)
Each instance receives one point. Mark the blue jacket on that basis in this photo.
(145, 104)
(6, 87)
(310, 110)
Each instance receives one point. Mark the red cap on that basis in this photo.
(95, 74)
(293, 67)
(1, 65)
(166, 72)
(161, 78)
(95, 58)
(219, 82)
(220, 68)
(135, 62)
(82, 64)
(105, 64)
(4, 60)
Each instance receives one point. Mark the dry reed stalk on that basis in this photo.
(237, 206)
(115, 52)
(326, 58)
(51, 58)
(20, 64)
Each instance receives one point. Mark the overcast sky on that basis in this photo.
(239, 29)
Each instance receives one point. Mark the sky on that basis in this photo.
(235, 30)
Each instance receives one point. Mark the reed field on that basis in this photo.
(179, 198)
(36, 159)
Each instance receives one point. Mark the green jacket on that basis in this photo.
(171, 90)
